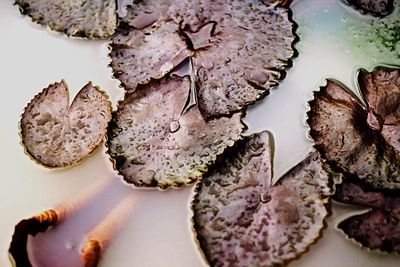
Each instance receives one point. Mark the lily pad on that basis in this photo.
(378, 228)
(242, 219)
(240, 50)
(83, 18)
(56, 135)
(378, 8)
(360, 139)
(139, 55)
(154, 143)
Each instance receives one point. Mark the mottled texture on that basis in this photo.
(140, 55)
(57, 135)
(246, 54)
(83, 18)
(154, 144)
(381, 90)
(32, 226)
(240, 49)
(378, 8)
(353, 141)
(377, 229)
(242, 219)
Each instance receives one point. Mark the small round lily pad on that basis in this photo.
(58, 135)
(242, 219)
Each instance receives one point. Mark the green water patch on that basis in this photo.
(366, 39)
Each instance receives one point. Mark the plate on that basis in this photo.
(335, 40)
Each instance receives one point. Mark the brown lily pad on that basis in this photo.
(154, 143)
(242, 219)
(83, 18)
(378, 8)
(58, 135)
(377, 229)
(237, 57)
(360, 140)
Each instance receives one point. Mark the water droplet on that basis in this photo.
(174, 126)
(69, 245)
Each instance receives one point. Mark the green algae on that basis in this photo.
(366, 39)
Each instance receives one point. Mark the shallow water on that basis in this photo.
(335, 42)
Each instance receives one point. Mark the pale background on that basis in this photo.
(158, 233)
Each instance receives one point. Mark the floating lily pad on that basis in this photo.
(376, 7)
(240, 50)
(139, 55)
(242, 219)
(377, 229)
(381, 90)
(82, 18)
(154, 143)
(360, 140)
(57, 135)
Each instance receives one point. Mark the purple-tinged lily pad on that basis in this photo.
(154, 141)
(378, 8)
(242, 219)
(83, 18)
(360, 140)
(240, 50)
(377, 229)
(57, 134)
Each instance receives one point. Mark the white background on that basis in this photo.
(158, 233)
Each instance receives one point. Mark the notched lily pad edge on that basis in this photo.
(332, 167)
(361, 210)
(280, 73)
(154, 184)
(78, 34)
(370, 69)
(357, 95)
(67, 167)
(310, 112)
(353, 240)
(290, 61)
(327, 203)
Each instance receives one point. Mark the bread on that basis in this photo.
(57, 135)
